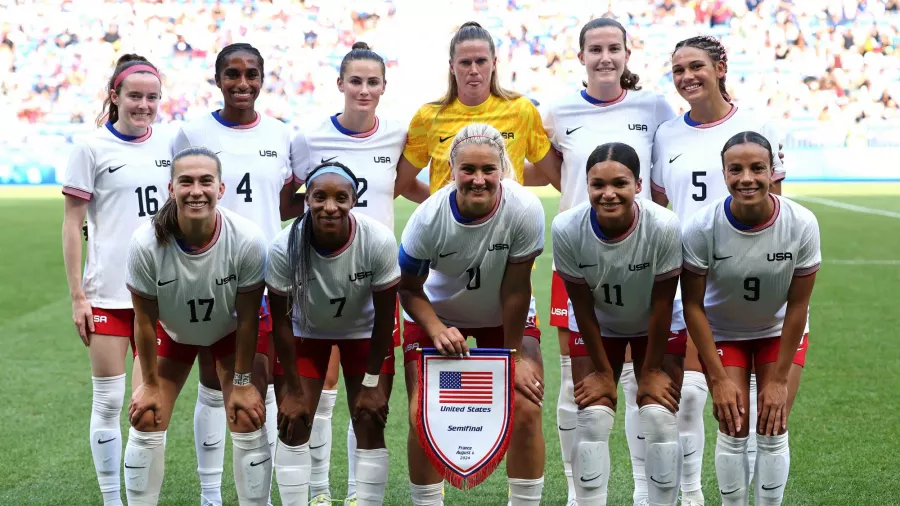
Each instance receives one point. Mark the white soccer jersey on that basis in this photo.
(372, 156)
(341, 282)
(578, 123)
(620, 271)
(749, 271)
(196, 291)
(125, 183)
(255, 164)
(467, 261)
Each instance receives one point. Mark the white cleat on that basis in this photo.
(643, 502)
(321, 500)
(694, 499)
(350, 501)
(572, 502)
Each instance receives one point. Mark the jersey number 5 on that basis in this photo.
(695, 180)
(209, 303)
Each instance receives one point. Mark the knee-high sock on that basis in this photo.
(145, 463)
(590, 460)
(566, 410)
(372, 476)
(209, 442)
(271, 429)
(351, 460)
(690, 429)
(732, 470)
(525, 492)
(773, 463)
(633, 432)
(751, 443)
(664, 455)
(252, 467)
(292, 469)
(106, 435)
(320, 444)
(427, 495)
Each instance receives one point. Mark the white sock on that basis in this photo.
(372, 470)
(525, 492)
(751, 443)
(633, 432)
(732, 470)
(566, 411)
(664, 456)
(106, 435)
(774, 463)
(252, 467)
(427, 495)
(209, 443)
(292, 468)
(271, 428)
(320, 444)
(145, 465)
(690, 430)
(351, 460)
(590, 460)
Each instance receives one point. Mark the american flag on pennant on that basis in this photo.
(466, 387)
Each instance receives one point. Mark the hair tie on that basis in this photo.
(143, 67)
(333, 170)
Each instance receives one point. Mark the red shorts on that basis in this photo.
(186, 353)
(313, 356)
(745, 354)
(677, 345)
(396, 333)
(414, 337)
(559, 302)
(114, 322)
(265, 328)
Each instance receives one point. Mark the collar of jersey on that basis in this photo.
(350, 133)
(128, 138)
(697, 124)
(488, 103)
(462, 220)
(594, 101)
(331, 254)
(206, 247)
(595, 226)
(237, 126)
(741, 227)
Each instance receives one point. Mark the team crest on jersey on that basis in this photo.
(465, 411)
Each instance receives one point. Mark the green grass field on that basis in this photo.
(844, 427)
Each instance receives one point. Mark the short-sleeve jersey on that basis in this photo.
(749, 270)
(579, 123)
(255, 164)
(196, 291)
(687, 160)
(372, 156)
(125, 183)
(432, 129)
(620, 271)
(341, 282)
(467, 259)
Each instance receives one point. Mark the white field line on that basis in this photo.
(862, 262)
(848, 207)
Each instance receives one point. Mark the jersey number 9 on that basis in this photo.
(752, 286)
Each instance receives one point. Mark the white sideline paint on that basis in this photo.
(848, 207)
(863, 262)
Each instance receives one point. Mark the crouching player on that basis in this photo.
(620, 258)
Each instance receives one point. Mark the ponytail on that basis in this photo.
(165, 222)
(300, 254)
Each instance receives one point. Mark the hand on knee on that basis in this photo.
(243, 423)
(147, 423)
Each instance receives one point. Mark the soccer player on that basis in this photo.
(336, 273)
(116, 177)
(687, 173)
(358, 138)
(196, 274)
(750, 265)
(254, 150)
(456, 283)
(620, 258)
(612, 107)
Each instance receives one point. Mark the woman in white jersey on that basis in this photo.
(116, 177)
(611, 108)
(358, 138)
(750, 265)
(254, 150)
(456, 283)
(196, 274)
(687, 173)
(333, 282)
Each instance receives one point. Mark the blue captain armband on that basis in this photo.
(413, 266)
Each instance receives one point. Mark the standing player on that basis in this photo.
(687, 173)
(254, 151)
(357, 138)
(336, 273)
(620, 258)
(612, 107)
(116, 177)
(750, 265)
(456, 284)
(196, 274)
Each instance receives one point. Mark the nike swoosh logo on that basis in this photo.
(673, 338)
(592, 479)
(563, 428)
(671, 160)
(317, 447)
(134, 467)
(721, 258)
(113, 169)
(689, 454)
(582, 266)
(445, 139)
(654, 480)
(328, 160)
(729, 493)
(217, 152)
(100, 441)
(569, 132)
(160, 283)
(771, 488)
(254, 464)
(641, 438)
(213, 444)
(443, 255)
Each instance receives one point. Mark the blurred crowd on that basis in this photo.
(808, 62)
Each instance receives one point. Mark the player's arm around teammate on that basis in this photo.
(750, 262)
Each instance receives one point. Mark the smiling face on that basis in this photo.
(472, 66)
(362, 85)
(138, 101)
(477, 171)
(604, 56)
(241, 80)
(748, 173)
(196, 187)
(329, 198)
(611, 190)
(696, 75)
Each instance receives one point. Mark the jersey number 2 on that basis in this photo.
(699, 184)
(363, 186)
(243, 188)
(209, 303)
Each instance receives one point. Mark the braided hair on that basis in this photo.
(716, 52)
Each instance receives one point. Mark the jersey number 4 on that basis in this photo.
(243, 188)
(209, 303)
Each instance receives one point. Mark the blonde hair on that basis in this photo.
(482, 134)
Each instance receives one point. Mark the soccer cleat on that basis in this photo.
(694, 499)
(350, 501)
(572, 502)
(321, 500)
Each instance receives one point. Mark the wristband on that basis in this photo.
(370, 380)
(241, 379)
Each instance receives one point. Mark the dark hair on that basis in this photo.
(629, 80)
(222, 57)
(471, 30)
(617, 152)
(165, 222)
(361, 51)
(749, 137)
(300, 250)
(716, 52)
(110, 111)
